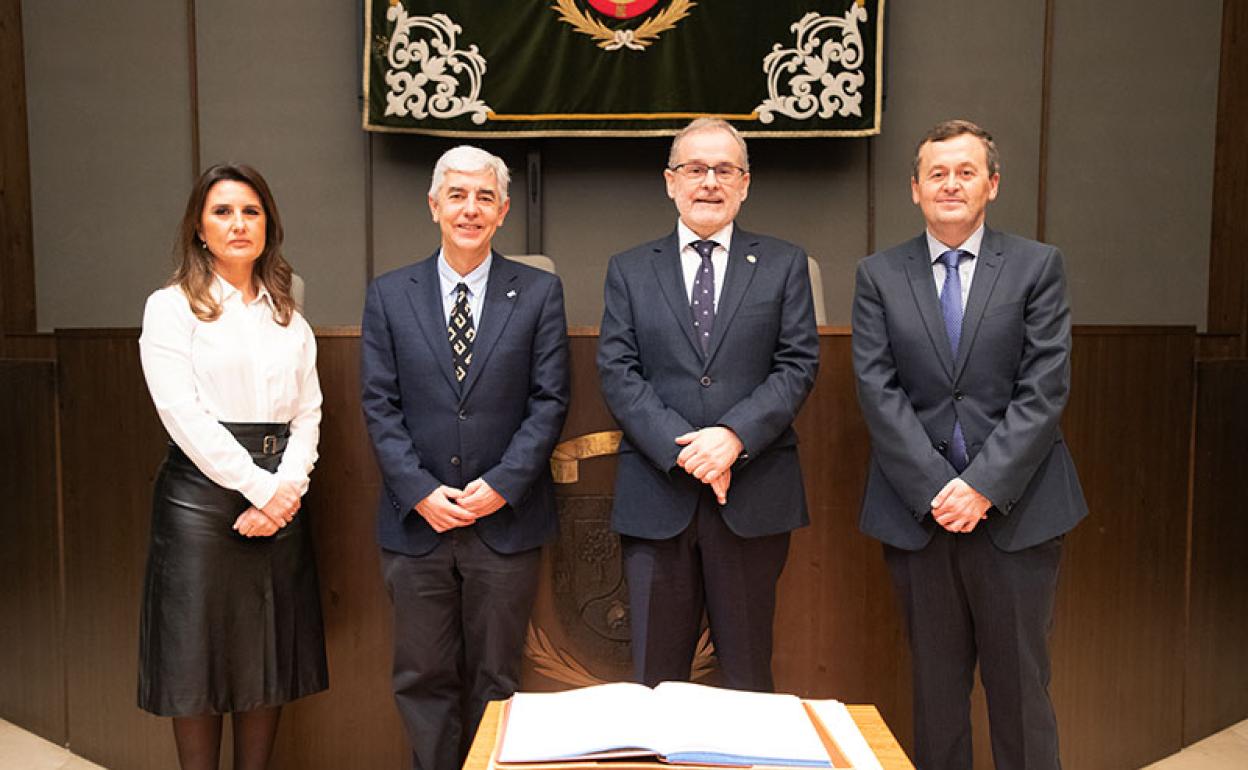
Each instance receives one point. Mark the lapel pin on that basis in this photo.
(511, 293)
(751, 258)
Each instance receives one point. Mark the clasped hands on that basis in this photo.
(447, 507)
(279, 511)
(708, 455)
(958, 507)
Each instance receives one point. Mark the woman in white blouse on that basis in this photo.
(231, 619)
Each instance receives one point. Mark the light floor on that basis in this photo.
(20, 750)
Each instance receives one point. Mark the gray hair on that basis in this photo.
(709, 124)
(467, 159)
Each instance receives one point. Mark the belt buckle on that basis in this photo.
(270, 444)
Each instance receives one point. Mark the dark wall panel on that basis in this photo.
(32, 645)
(354, 724)
(1118, 636)
(1215, 694)
(111, 446)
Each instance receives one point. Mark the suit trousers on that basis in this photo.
(460, 615)
(963, 598)
(708, 566)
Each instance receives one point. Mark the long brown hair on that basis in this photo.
(195, 274)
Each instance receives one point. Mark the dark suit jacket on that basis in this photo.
(764, 355)
(1008, 387)
(501, 425)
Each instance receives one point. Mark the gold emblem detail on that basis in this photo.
(636, 39)
(566, 455)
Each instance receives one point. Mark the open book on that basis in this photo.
(675, 722)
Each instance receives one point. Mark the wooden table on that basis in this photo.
(868, 719)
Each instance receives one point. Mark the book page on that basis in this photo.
(546, 726)
(716, 726)
(838, 722)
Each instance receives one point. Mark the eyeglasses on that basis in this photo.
(696, 172)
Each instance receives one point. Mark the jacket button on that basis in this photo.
(463, 415)
(957, 395)
(942, 446)
(706, 381)
(455, 460)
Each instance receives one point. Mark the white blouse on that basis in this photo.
(242, 367)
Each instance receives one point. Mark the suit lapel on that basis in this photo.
(424, 293)
(740, 272)
(987, 271)
(923, 287)
(501, 293)
(666, 262)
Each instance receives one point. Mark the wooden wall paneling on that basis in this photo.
(1214, 693)
(1228, 259)
(111, 446)
(838, 631)
(17, 259)
(354, 723)
(32, 650)
(1117, 642)
(1118, 635)
(28, 346)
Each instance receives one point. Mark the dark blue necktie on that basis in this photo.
(702, 303)
(951, 309)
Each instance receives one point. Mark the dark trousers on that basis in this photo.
(460, 614)
(671, 581)
(963, 598)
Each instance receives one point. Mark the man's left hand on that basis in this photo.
(708, 452)
(480, 498)
(958, 507)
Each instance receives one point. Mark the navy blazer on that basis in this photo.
(500, 425)
(1007, 386)
(762, 362)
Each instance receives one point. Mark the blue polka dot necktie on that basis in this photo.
(702, 303)
(951, 309)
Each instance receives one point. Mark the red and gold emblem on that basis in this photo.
(622, 9)
(582, 15)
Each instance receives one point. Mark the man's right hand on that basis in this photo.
(440, 510)
(720, 486)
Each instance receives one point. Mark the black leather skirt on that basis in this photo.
(229, 623)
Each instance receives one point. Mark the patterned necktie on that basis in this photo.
(461, 332)
(951, 309)
(702, 303)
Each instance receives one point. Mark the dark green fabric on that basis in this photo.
(526, 61)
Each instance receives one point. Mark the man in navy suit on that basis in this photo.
(962, 353)
(708, 348)
(464, 369)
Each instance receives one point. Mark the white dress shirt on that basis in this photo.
(242, 367)
(476, 281)
(690, 260)
(966, 268)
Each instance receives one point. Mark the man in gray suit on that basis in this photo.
(962, 353)
(707, 350)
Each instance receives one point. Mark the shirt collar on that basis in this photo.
(971, 245)
(475, 279)
(224, 291)
(723, 236)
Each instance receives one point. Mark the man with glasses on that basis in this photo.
(707, 350)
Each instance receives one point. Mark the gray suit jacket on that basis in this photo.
(764, 354)
(1007, 386)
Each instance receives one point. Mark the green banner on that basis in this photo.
(622, 67)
